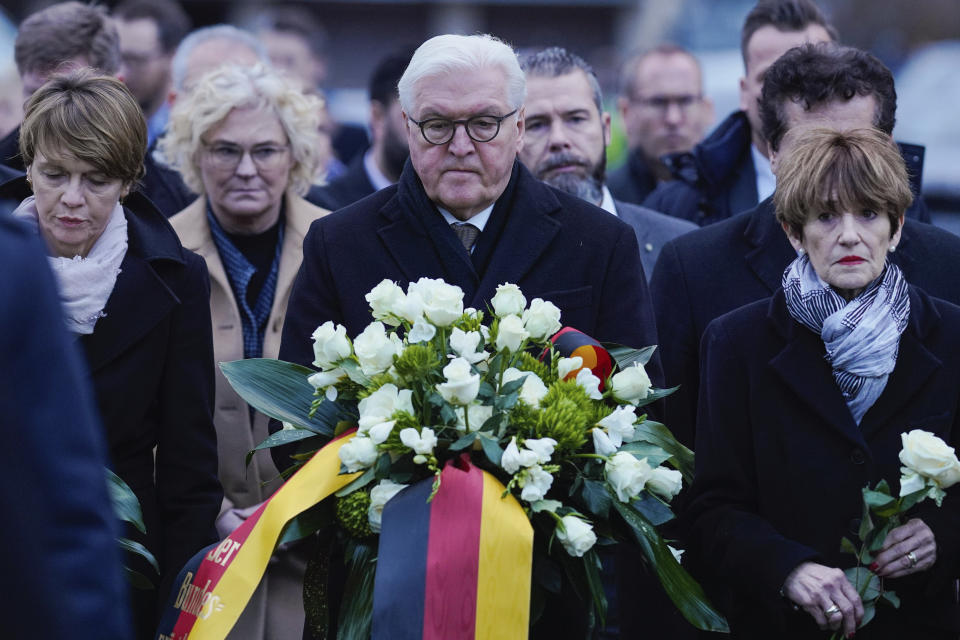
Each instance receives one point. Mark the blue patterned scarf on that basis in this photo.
(861, 336)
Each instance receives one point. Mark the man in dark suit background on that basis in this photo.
(566, 132)
(462, 100)
(380, 165)
(714, 270)
(62, 575)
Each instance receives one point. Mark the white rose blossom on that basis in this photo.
(514, 458)
(359, 453)
(422, 331)
(576, 536)
(508, 300)
(462, 384)
(327, 380)
(533, 389)
(466, 344)
(627, 475)
(442, 302)
(422, 442)
(926, 454)
(386, 301)
(631, 385)
(330, 345)
(381, 404)
(477, 414)
(602, 443)
(534, 482)
(543, 447)
(590, 383)
(376, 350)
(665, 482)
(566, 366)
(542, 319)
(619, 425)
(380, 495)
(510, 333)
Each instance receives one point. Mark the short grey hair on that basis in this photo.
(450, 53)
(178, 66)
(235, 87)
(557, 61)
(628, 75)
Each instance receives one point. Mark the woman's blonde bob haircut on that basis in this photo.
(239, 87)
(838, 171)
(92, 117)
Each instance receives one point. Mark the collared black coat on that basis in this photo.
(343, 190)
(781, 464)
(150, 359)
(552, 245)
(633, 181)
(706, 273)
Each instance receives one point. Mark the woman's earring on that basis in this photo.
(892, 248)
(801, 251)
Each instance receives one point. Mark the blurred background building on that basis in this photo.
(919, 40)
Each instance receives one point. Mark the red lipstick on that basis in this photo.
(850, 260)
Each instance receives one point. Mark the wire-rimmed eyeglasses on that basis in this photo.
(227, 157)
(479, 128)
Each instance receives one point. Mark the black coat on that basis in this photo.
(343, 190)
(552, 245)
(706, 273)
(62, 575)
(633, 181)
(151, 362)
(781, 464)
(717, 178)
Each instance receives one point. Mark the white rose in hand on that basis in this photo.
(627, 475)
(330, 345)
(462, 384)
(442, 302)
(386, 301)
(359, 453)
(510, 333)
(631, 385)
(542, 319)
(380, 495)
(931, 457)
(375, 349)
(508, 300)
(576, 536)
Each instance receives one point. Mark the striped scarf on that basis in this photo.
(861, 336)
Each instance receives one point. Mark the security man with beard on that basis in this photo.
(567, 132)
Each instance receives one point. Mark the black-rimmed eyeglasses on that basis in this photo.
(479, 128)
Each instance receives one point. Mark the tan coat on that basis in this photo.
(243, 486)
(275, 611)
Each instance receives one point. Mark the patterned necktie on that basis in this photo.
(467, 234)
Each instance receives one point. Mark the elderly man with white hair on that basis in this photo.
(467, 211)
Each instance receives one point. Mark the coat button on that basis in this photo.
(855, 526)
(857, 457)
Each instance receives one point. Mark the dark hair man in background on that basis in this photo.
(565, 142)
(380, 165)
(729, 171)
(664, 111)
(709, 272)
(150, 31)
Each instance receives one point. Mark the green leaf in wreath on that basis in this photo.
(652, 508)
(627, 357)
(654, 454)
(685, 592)
(591, 565)
(654, 395)
(359, 482)
(125, 504)
(280, 390)
(512, 387)
(464, 442)
(138, 549)
(282, 437)
(307, 523)
(356, 612)
(138, 580)
(353, 371)
(596, 498)
(658, 434)
(491, 449)
(545, 505)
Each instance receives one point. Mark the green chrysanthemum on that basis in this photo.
(352, 513)
(527, 362)
(417, 362)
(566, 414)
(469, 323)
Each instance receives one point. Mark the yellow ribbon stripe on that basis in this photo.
(315, 481)
(506, 549)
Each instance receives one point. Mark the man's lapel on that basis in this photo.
(770, 251)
